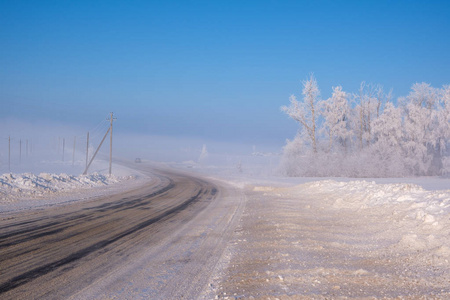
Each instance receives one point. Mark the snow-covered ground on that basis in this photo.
(426, 211)
(335, 237)
(30, 190)
(338, 240)
(424, 199)
(320, 237)
(423, 202)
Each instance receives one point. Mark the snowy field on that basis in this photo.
(335, 237)
(421, 202)
(427, 212)
(329, 239)
(424, 199)
(316, 237)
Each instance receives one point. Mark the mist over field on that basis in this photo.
(179, 76)
(48, 146)
(367, 133)
(182, 75)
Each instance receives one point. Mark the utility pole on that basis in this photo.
(111, 119)
(87, 150)
(96, 151)
(9, 154)
(73, 153)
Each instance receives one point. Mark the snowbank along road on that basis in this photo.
(321, 240)
(159, 241)
(181, 236)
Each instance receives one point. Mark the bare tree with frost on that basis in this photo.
(304, 112)
(412, 138)
(441, 131)
(335, 111)
(419, 138)
(388, 138)
(444, 129)
(367, 108)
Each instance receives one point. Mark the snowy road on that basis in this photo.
(160, 241)
(187, 236)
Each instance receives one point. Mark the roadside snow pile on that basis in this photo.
(419, 218)
(332, 239)
(424, 205)
(31, 185)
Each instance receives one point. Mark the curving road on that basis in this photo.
(159, 241)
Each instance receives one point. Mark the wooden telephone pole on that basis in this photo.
(111, 119)
(87, 150)
(73, 152)
(9, 153)
(64, 146)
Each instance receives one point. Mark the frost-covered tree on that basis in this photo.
(418, 128)
(423, 95)
(304, 112)
(441, 131)
(444, 121)
(293, 154)
(335, 111)
(380, 138)
(387, 128)
(367, 105)
(444, 114)
(388, 137)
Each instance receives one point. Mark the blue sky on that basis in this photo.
(209, 69)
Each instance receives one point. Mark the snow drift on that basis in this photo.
(28, 184)
(419, 217)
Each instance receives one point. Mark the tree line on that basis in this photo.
(367, 134)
